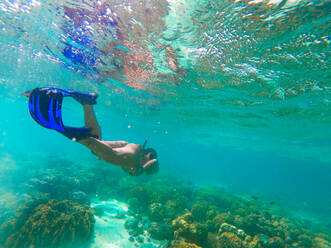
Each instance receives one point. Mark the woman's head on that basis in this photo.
(151, 154)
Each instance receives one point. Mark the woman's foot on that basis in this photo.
(84, 98)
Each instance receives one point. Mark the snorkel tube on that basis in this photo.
(144, 145)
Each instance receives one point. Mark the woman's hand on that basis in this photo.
(149, 163)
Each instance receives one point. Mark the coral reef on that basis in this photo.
(228, 240)
(185, 245)
(160, 231)
(184, 215)
(187, 230)
(212, 218)
(321, 243)
(49, 224)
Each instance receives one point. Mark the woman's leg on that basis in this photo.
(91, 120)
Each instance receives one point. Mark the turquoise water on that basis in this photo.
(230, 93)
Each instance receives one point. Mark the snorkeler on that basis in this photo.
(45, 108)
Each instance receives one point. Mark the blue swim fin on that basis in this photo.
(45, 108)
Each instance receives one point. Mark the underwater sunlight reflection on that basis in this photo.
(233, 95)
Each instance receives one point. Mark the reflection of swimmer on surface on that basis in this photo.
(45, 107)
(117, 25)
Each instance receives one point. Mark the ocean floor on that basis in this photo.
(110, 231)
(59, 203)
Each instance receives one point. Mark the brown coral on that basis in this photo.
(52, 224)
(187, 230)
(229, 240)
(185, 245)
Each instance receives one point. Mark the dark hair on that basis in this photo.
(152, 151)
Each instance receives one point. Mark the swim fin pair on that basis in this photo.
(45, 106)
